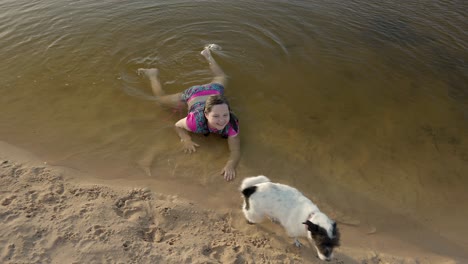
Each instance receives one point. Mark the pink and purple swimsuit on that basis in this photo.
(196, 120)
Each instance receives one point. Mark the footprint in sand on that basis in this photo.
(98, 232)
(153, 234)
(8, 200)
(135, 206)
(8, 253)
(91, 193)
(17, 171)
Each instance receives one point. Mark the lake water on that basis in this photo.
(363, 106)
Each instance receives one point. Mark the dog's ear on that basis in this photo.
(334, 229)
(311, 226)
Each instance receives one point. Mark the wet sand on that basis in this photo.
(52, 214)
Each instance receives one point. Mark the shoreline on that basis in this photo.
(52, 214)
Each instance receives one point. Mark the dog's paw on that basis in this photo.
(250, 223)
(297, 243)
(275, 220)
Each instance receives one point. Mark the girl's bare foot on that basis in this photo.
(151, 72)
(214, 47)
(206, 53)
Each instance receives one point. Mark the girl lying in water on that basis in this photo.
(208, 111)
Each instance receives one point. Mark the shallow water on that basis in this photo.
(362, 106)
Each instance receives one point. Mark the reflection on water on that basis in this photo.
(343, 100)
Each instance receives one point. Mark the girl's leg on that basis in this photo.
(171, 100)
(219, 75)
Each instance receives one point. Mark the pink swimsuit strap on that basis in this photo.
(203, 93)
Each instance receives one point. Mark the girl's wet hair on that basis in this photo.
(213, 100)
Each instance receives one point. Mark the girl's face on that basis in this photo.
(218, 117)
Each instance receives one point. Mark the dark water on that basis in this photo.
(363, 106)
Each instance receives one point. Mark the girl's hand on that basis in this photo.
(229, 172)
(189, 146)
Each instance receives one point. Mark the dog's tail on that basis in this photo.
(251, 181)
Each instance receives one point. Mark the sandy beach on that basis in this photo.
(49, 214)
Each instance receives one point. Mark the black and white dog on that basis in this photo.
(297, 214)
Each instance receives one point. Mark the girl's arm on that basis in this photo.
(181, 129)
(229, 171)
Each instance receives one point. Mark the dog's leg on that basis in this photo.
(274, 220)
(252, 216)
(297, 243)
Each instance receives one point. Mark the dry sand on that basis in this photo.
(49, 214)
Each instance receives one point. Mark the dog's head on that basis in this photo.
(324, 233)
